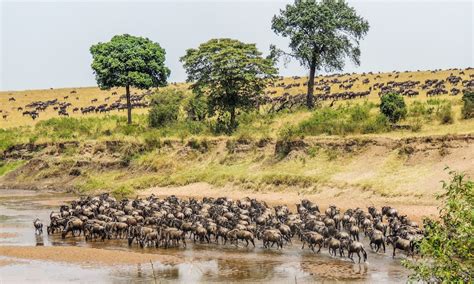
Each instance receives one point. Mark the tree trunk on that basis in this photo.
(232, 118)
(309, 94)
(129, 104)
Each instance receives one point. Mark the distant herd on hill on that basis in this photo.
(277, 96)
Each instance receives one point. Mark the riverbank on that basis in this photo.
(363, 169)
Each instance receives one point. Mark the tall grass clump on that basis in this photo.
(343, 120)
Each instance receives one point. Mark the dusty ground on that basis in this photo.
(84, 255)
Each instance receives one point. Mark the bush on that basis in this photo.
(165, 107)
(393, 107)
(343, 120)
(416, 124)
(448, 245)
(419, 110)
(445, 114)
(468, 107)
(196, 107)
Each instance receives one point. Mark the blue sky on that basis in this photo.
(46, 44)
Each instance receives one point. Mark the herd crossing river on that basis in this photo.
(281, 259)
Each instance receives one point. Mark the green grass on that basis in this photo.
(348, 118)
(6, 167)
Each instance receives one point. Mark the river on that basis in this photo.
(198, 262)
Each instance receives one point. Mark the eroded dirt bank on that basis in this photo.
(367, 169)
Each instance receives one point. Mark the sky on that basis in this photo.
(46, 44)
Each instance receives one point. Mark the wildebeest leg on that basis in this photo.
(393, 256)
(383, 244)
(253, 242)
(320, 246)
(358, 254)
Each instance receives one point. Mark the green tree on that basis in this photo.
(129, 61)
(165, 105)
(393, 107)
(448, 246)
(230, 74)
(322, 34)
(468, 107)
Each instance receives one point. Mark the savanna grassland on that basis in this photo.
(341, 150)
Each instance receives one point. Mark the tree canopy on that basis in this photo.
(322, 34)
(231, 74)
(129, 61)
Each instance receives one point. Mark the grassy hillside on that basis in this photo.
(342, 148)
(82, 97)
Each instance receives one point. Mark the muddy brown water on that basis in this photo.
(198, 262)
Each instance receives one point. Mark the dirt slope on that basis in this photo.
(369, 170)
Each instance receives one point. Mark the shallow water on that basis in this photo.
(200, 262)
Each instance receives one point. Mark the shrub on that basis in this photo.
(445, 114)
(419, 109)
(165, 107)
(393, 107)
(196, 107)
(375, 124)
(343, 120)
(448, 245)
(416, 124)
(468, 107)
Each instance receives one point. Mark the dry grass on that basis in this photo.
(84, 95)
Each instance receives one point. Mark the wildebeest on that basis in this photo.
(38, 226)
(168, 222)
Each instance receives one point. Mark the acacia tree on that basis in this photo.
(231, 74)
(322, 34)
(129, 61)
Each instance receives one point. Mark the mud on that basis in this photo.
(25, 257)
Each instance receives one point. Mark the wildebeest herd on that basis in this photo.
(63, 108)
(324, 88)
(172, 222)
(280, 95)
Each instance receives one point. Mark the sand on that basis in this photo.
(84, 255)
